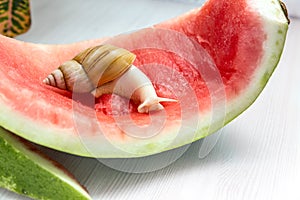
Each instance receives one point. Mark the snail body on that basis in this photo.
(107, 69)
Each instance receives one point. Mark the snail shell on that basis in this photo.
(91, 68)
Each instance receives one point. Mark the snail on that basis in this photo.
(106, 69)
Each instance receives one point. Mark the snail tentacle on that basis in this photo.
(153, 104)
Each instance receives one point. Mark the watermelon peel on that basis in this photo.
(26, 171)
(245, 45)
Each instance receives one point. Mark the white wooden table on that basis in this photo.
(256, 157)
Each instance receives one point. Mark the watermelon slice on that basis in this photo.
(24, 170)
(215, 60)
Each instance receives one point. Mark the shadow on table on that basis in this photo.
(100, 179)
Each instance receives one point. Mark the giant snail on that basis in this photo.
(98, 70)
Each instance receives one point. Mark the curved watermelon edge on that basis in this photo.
(276, 26)
(270, 60)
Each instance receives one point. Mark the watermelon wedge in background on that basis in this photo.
(26, 171)
(215, 60)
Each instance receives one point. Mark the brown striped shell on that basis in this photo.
(91, 68)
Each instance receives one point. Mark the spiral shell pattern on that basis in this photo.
(91, 68)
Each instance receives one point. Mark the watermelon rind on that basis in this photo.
(275, 25)
(26, 171)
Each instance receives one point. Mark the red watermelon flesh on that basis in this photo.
(215, 60)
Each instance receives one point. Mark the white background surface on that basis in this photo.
(257, 155)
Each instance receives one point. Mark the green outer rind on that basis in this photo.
(24, 171)
(275, 24)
